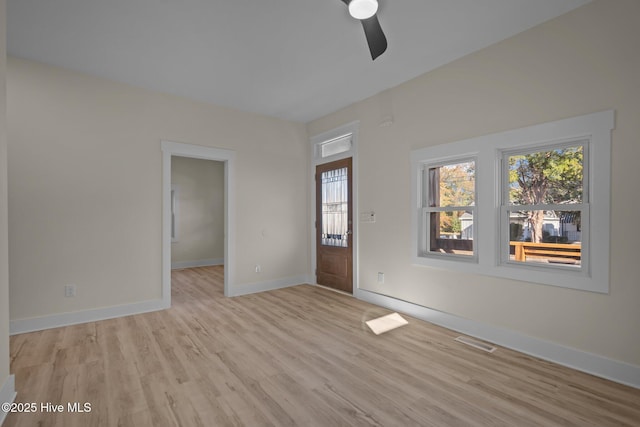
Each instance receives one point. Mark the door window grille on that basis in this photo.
(335, 201)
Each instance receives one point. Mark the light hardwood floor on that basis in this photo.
(300, 356)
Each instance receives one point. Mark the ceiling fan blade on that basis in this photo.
(375, 36)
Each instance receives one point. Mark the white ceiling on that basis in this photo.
(293, 59)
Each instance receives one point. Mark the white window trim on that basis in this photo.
(488, 150)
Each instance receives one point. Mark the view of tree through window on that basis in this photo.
(451, 205)
(546, 197)
(528, 204)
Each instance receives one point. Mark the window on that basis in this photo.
(544, 205)
(528, 204)
(448, 209)
(335, 146)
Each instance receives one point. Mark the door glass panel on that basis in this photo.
(335, 208)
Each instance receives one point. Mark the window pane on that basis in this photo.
(551, 237)
(452, 185)
(552, 176)
(335, 207)
(451, 232)
(336, 146)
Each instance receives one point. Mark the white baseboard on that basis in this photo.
(620, 372)
(197, 263)
(20, 326)
(269, 285)
(7, 394)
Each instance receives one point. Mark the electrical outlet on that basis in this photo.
(69, 291)
(258, 268)
(380, 277)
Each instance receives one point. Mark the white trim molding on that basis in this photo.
(7, 394)
(179, 149)
(600, 366)
(491, 236)
(175, 212)
(346, 129)
(197, 263)
(20, 326)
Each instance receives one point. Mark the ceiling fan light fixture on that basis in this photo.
(363, 9)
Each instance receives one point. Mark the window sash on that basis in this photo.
(505, 240)
(583, 207)
(425, 246)
(581, 142)
(429, 195)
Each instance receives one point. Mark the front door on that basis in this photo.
(334, 225)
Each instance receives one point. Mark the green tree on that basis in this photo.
(457, 188)
(545, 177)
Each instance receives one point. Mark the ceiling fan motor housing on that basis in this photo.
(363, 9)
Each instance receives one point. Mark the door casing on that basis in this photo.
(349, 128)
(228, 157)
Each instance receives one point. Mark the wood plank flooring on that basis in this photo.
(300, 356)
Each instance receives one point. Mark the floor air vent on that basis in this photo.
(476, 344)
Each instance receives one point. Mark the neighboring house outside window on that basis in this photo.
(544, 204)
(448, 209)
(527, 204)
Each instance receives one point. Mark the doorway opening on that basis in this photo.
(334, 233)
(173, 208)
(197, 213)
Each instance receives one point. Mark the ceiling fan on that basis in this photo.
(365, 11)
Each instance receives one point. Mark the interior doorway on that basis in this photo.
(173, 150)
(197, 212)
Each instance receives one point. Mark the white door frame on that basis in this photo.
(316, 159)
(228, 157)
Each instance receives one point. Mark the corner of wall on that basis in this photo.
(6, 381)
